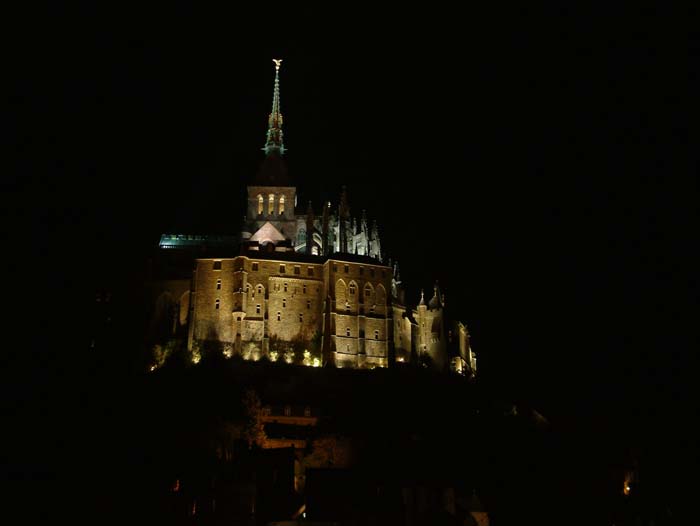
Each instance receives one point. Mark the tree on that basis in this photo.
(253, 427)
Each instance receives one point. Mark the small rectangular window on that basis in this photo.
(310, 271)
(255, 266)
(217, 265)
(282, 269)
(376, 334)
(279, 316)
(297, 269)
(257, 309)
(218, 284)
(308, 304)
(347, 331)
(347, 268)
(301, 317)
(284, 302)
(217, 304)
(285, 287)
(303, 288)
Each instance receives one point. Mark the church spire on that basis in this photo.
(274, 143)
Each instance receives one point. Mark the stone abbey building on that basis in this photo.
(306, 286)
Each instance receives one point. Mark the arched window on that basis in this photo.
(381, 295)
(260, 204)
(281, 205)
(351, 289)
(260, 289)
(271, 204)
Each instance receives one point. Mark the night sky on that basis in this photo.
(522, 158)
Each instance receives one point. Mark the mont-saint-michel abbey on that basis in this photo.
(304, 283)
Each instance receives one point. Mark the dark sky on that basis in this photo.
(520, 157)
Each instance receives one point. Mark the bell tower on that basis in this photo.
(271, 196)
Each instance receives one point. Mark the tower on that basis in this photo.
(271, 197)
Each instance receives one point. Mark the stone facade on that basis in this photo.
(341, 307)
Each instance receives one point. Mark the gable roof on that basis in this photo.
(267, 232)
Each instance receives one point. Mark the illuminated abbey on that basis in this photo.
(307, 285)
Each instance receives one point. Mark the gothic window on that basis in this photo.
(217, 265)
(217, 304)
(381, 295)
(347, 331)
(261, 200)
(218, 284)
(257, 309)
(368, 290)
(279, 316)
(281, 205)
(271, 204)
(352, 289)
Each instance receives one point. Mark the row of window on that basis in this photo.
(346, 269)
(283, 268)
(267, 411)
(258, 307)
(270, 204)
(376, 333)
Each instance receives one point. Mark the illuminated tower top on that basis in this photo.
(275, 143)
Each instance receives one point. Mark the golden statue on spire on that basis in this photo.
(278, 63)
